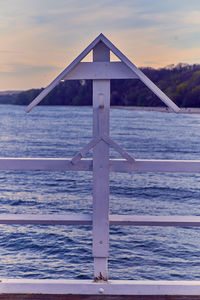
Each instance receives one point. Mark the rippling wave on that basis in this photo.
(65, 252)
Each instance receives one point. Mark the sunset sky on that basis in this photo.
(39, 38)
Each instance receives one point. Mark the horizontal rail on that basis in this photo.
(48, 219)
(44, 164)
(86, 219)
(153, 165)
(89, 287)
(116, 165)
(154, 220)
(95, 297)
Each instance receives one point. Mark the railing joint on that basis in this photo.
(100, 278)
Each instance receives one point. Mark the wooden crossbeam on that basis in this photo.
(132, 220)
(44, 164)
(48, 219)
(88, 289)
(116, 165)
(86, 219)
(100, 70)
(153, 165)
(95, 297)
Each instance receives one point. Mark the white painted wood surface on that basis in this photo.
(119, 149)
(86, 219)
(89, 287)
(116, 165)
(101, 107)
(48, 219)
(44, 164)
(153, 165)
(85, 150)
(100, 70)
(131, 220)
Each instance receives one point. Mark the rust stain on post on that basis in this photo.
(100, 278)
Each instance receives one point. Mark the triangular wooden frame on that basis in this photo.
(137, 73)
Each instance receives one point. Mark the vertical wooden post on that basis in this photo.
(101, 107)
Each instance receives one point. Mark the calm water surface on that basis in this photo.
(65, 252)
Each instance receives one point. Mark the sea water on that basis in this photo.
(158, 253)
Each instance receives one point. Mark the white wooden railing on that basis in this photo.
(158, 289)
(101, 70)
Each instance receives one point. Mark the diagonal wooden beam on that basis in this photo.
(164, 98)
(118, 148)
(85, 150)
(62, 75)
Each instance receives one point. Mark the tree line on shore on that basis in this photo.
(180, 83)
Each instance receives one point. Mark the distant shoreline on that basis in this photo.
(183, 110)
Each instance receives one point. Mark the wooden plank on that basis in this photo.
(48, 219)
(94, 297)
(85, 150)
(100, 70)
(86, 219)
(119, 149)
(151, 165)
(105, 289)
(44, 164)
(101, 107)
(175, 220)
(116, 165)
